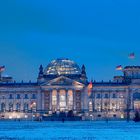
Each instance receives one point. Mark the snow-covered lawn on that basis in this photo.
(25, 130)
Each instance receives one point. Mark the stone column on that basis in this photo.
(132, 101)
(93, 100)
(101, 101)
(43, 101)
(74, 100)
(37, 100)
(128, 104)
(67, 99)
(58, 101)
(110, 93)
(50, 104)
(118, 101)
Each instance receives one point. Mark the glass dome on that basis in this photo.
(62, 66)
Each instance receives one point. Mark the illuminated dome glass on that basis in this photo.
(62, 66)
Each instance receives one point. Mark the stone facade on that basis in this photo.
(62, 86)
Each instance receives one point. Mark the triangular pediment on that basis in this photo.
(62, 81)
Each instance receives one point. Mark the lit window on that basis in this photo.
(10, 107)
(90, 106)
(62, 99)
(98, 107)
(114, 107)
(33, 106)
(54, 98)
(121, 96)
(70, 99)
(122, 116)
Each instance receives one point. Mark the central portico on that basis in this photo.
(62, 95)
(63, 84)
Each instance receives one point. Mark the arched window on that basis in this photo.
(98, 107)
(26, 107)
(33, 96)
(10, 96)
(3, 107)
(114, 95)
(114, 107)
(98, 96)
(10, 107)
(18, 96)
(18, 107)
(106, 96)
(26, 96)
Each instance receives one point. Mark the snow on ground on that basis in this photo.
(25, 130)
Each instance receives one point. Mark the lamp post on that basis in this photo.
(33, 105)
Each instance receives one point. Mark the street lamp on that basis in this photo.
(33, 105)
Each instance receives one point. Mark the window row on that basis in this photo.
(19, 96)
(98, 96)
(26, 107)
(106, 106)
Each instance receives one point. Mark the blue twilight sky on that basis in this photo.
(97, 33)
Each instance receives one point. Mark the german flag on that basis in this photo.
(119, 67)
(2, 68)
(131, 56)
(90, 86)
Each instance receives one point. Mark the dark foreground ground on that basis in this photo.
(115, 130)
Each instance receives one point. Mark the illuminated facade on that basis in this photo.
(63, 86)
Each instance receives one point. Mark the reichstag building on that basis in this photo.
(63, 86)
